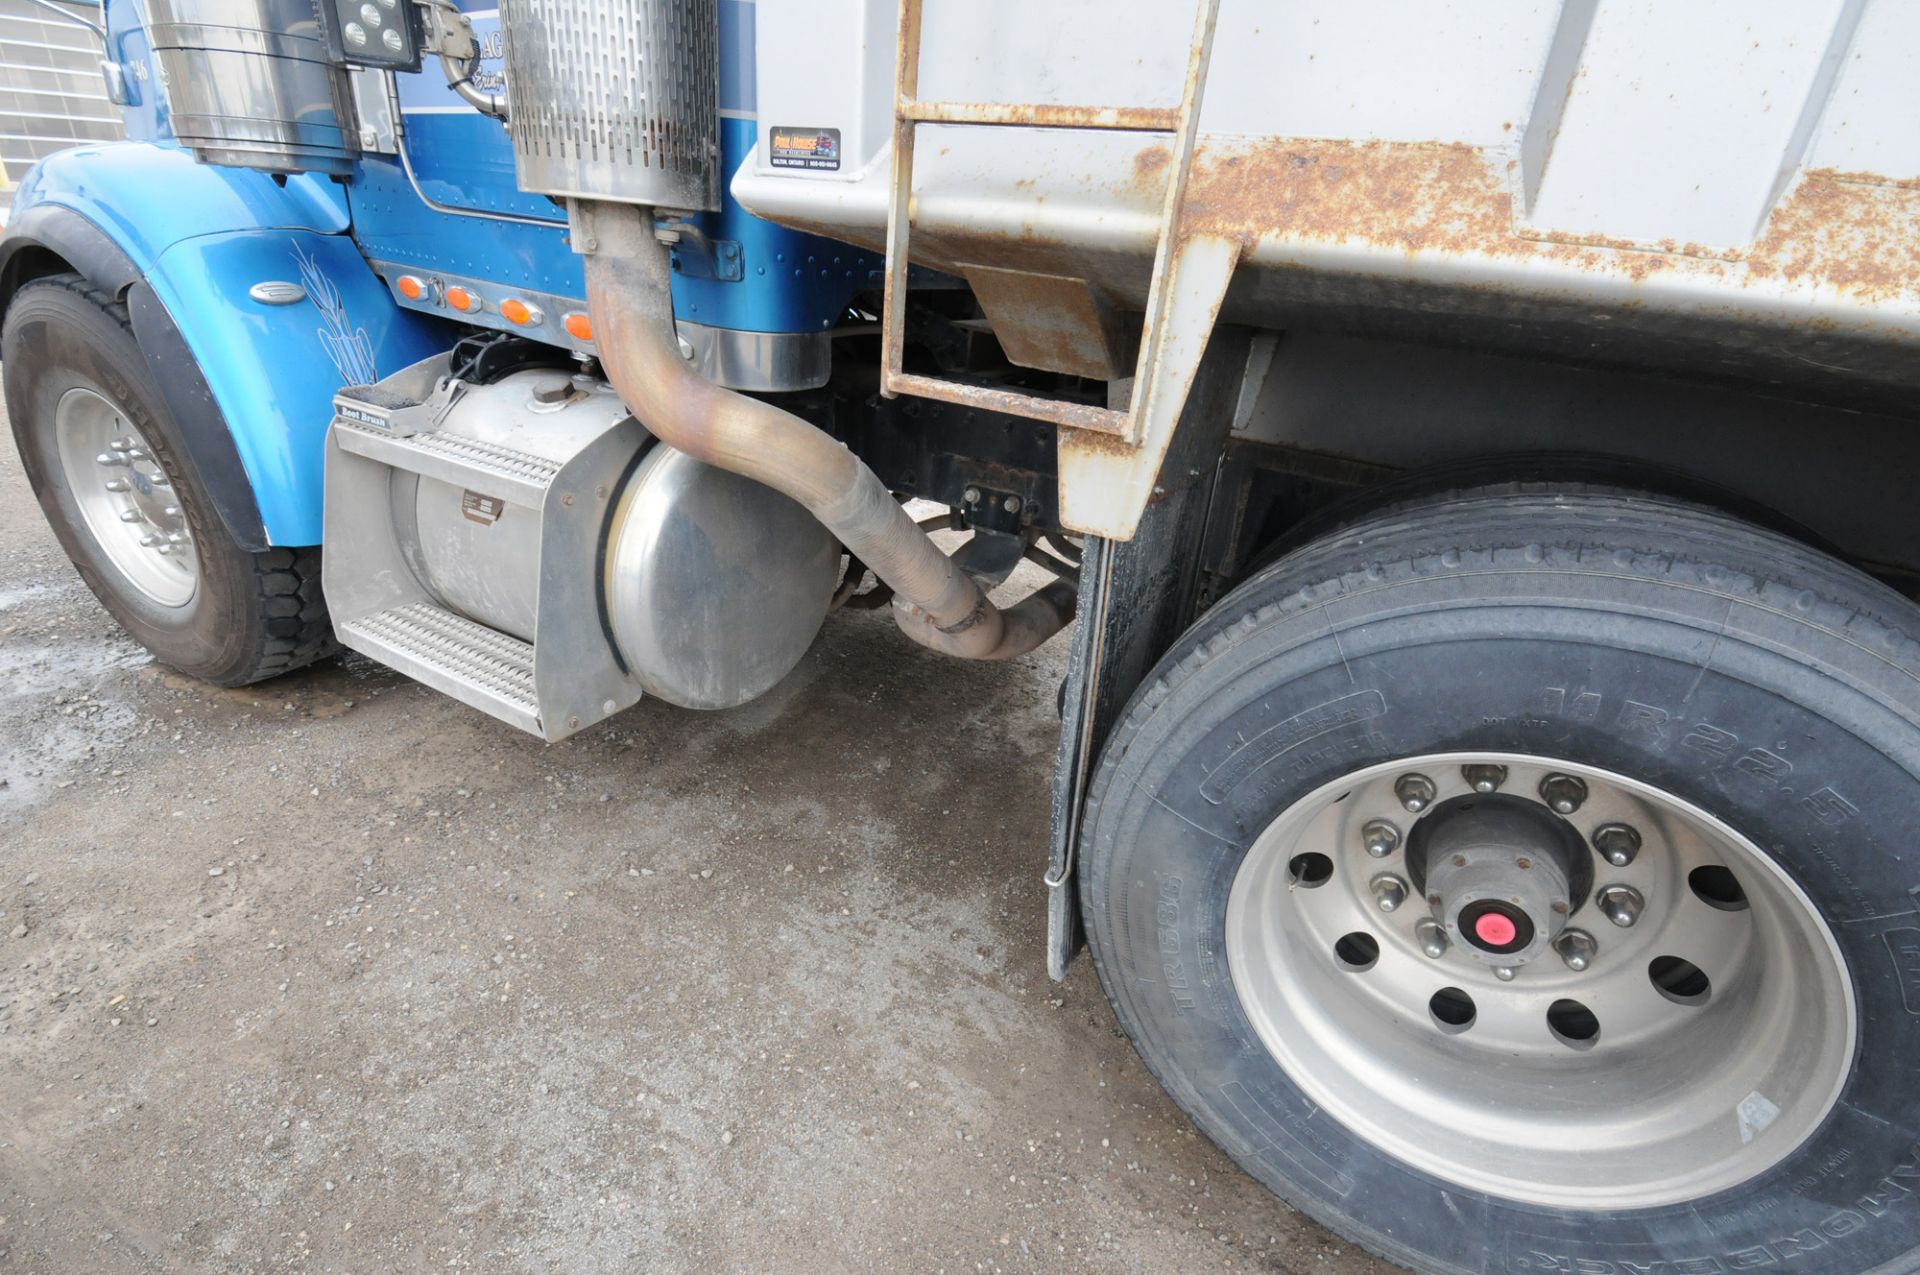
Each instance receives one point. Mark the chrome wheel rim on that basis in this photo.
(1680, 1027)
(125, 498)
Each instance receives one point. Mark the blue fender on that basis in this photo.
(200, 237)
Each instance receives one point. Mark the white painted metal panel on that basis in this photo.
(1393, 70)
(1680, 123)
(1872, 123)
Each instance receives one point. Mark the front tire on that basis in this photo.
(114, 476)
(1741, 1091)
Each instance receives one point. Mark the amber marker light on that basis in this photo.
(578, 326)
(461, 299)
(516, 311)
(410, 286)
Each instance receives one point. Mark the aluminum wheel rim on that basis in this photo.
(125, 498)
(1680, 1094)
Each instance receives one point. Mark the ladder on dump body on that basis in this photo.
(1167, 319)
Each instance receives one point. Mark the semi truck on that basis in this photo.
(1466, 450)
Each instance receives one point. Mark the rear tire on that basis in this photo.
(205, 605)
(1728, 671)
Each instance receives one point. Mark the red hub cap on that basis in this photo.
(1494, 929)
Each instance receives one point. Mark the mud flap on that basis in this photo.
(1136, 598)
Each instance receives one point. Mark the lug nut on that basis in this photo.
(1414, 791)
(131, 515)
(118, 485)
(1617, 843)
(121, 444)
(109, 459)
(1380, 837)
(1504, 973)
(1484, 778)
(1389, 891)
(1432, 937)
(1621, 904)
(1564, 794)
(150, 541)
(1577, 948)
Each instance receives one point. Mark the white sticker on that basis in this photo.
(1756, 1112)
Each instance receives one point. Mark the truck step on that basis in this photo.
(481, 667)
(517, 477)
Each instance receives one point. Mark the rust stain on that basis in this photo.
(1418, 198)
(1451, 201)
(1053, 322)
(1151, 162)
(1452, 207)
(1100, 443)
(1061, 412)
(1871, 179)
(1150, 119)
(1861, 239)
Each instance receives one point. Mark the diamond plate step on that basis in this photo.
(518, 477)
(481, 667)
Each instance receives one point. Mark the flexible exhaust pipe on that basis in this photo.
(935, 602)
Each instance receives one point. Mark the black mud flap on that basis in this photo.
(1136, 598)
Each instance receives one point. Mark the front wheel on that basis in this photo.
(1523, 883)
(111, 469)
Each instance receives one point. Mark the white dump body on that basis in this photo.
(1727, 185)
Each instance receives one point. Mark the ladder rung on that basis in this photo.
(1132, 119)
(1061, 412)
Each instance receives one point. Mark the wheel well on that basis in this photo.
(29, 262)
(50, 239)
(1339, 421)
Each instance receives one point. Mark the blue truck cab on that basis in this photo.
(422, 237)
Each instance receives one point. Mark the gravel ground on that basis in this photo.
(334, 974)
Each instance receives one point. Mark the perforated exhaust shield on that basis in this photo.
(616, 99)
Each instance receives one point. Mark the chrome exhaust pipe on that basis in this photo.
(936, 603)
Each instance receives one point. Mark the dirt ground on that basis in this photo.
(335, 974)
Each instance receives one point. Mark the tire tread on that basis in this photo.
(285, 595)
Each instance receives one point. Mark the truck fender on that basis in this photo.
(53, 239)
(248, 300)
(278, 321)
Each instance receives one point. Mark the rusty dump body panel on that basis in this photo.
(1547, 178)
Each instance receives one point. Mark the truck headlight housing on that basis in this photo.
(381, 34)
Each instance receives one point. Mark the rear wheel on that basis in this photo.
(1522, 883)
(114, 477)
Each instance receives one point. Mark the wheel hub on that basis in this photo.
(126, 498)
(1501, 874)
(1567, 931)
